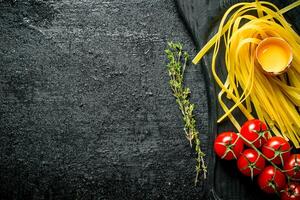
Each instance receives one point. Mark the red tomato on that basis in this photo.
(271, 180)
(255, 131)
(291, 192)
(250, 163)
(277, 149)
(292, 166)
(228, 145)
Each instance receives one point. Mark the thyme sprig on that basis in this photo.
(178, 60)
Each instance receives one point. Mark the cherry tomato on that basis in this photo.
(277, 149)
(228, 145)
(271, 180)
(255, 131)
(250, 163)
(292, 166)
(291, 192)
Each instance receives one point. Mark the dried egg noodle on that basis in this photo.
(276, 99)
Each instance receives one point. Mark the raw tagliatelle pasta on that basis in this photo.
(276, 99)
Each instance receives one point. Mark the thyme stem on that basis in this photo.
(178, 59)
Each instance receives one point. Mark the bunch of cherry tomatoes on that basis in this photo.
(259, 154)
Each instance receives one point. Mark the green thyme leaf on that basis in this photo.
(178, 59)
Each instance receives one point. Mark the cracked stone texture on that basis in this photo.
(85, 107)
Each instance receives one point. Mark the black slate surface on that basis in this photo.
(202, 18)
(85, 108)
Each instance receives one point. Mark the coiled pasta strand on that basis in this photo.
(276, 100)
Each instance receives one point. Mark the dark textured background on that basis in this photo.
(85, 108)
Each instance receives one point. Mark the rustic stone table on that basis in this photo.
(85, 107)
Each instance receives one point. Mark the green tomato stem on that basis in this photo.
(259, 152)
